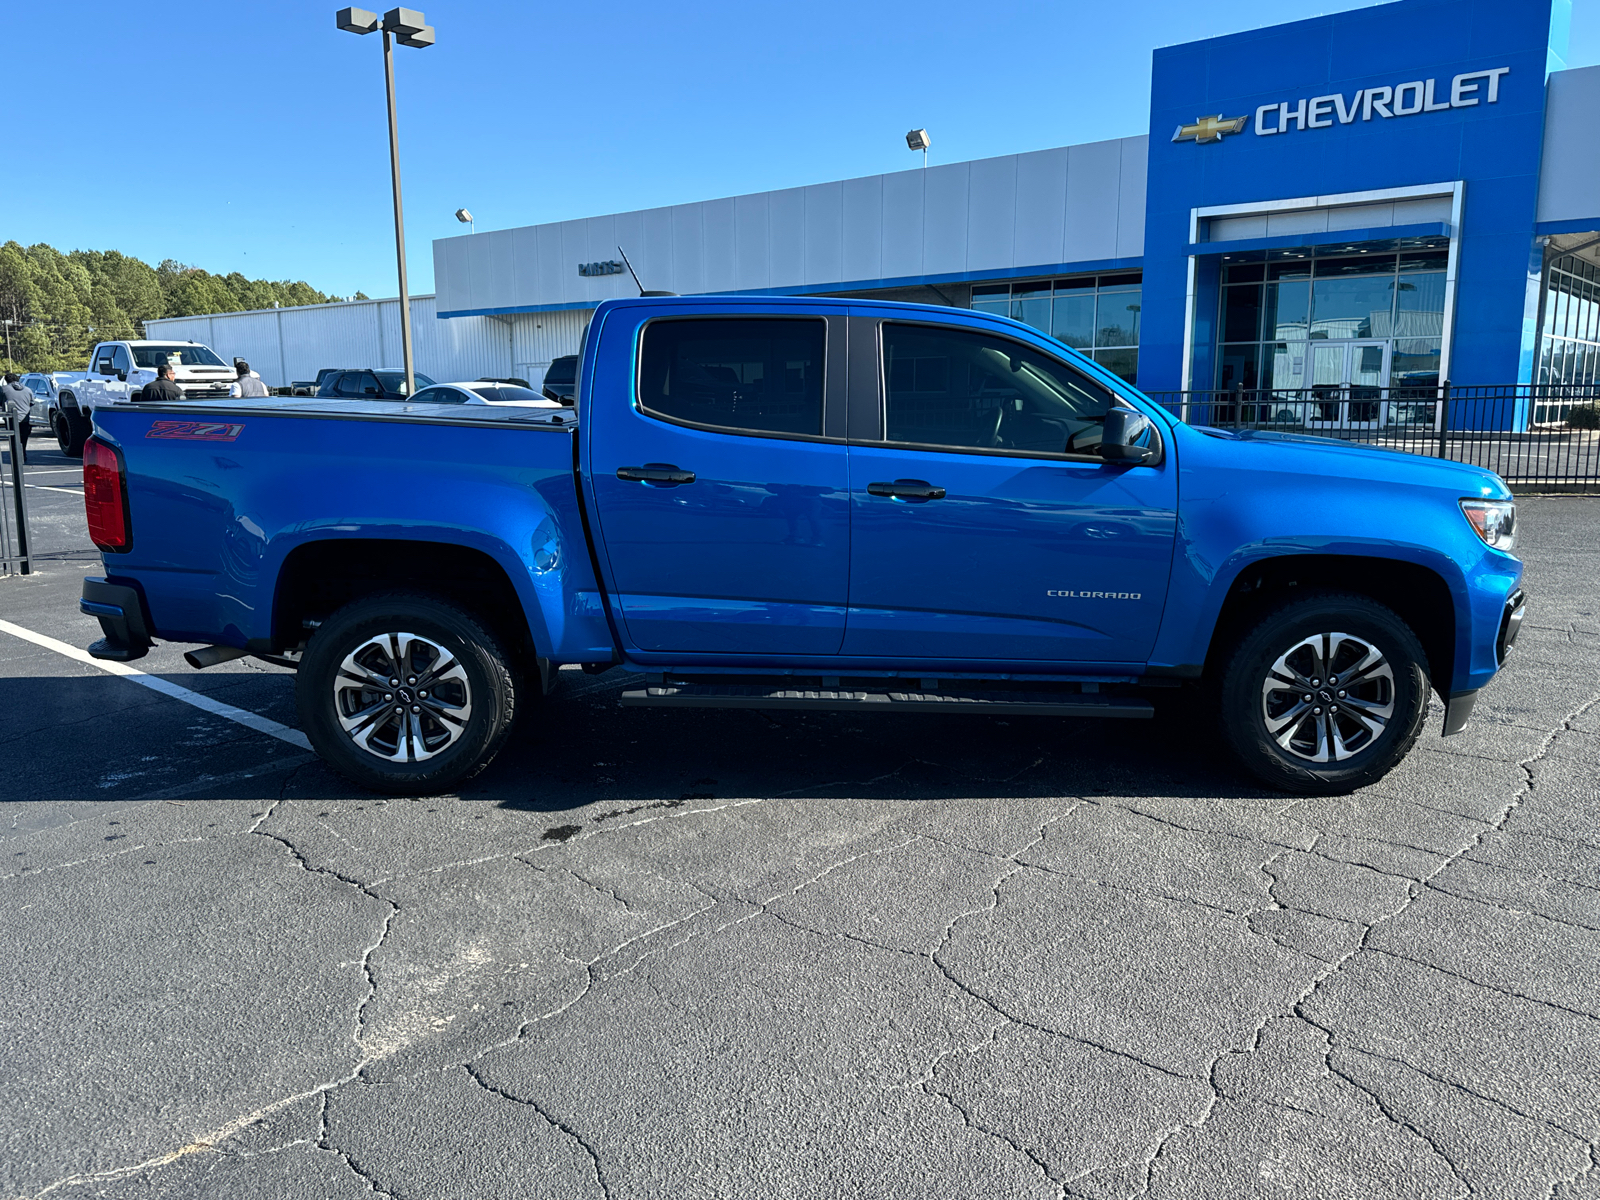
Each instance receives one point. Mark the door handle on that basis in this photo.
(906, 489)
(656, 474)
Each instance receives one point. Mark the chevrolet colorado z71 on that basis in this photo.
(806, 503)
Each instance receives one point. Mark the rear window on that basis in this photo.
(760, 375)
(395, 381)
(562, 371)
(504, 392)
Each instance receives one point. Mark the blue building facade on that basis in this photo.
(1370, 178)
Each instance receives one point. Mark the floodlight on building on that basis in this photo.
(918, 139)
(465, 218)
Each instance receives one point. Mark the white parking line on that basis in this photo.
(45, 487)
(156, 684)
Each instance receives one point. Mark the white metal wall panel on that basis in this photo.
(944, 220)
(1130, 200)
(824, 233)
(1569, 174)
(537, 338)
(750, 218)
(287, 344)
(1075, 203)
(719, 252)
(992, 212)
(181, 329)
(1041, 206)
(688, 250)
(903, 195)
(785, 238)
(1093, 180)
(862, 211)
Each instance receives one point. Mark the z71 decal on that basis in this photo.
(195, 431)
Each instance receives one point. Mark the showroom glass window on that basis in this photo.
(1098, 314)
(1569, 345)
(762, 375)
(1277, 305)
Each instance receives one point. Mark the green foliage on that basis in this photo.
(54, 306)
(1584, 416)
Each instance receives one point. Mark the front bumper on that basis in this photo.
(1458, 706)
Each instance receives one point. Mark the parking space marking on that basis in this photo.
(45, 487)
(156, 684)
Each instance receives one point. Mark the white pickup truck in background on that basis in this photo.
(118, 371)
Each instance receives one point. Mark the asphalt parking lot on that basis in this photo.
(700, 954)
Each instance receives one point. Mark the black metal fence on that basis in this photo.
(1531, 435)
(14, 550)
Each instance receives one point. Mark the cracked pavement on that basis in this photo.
(707, 954)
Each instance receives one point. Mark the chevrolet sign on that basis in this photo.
(1467, 90)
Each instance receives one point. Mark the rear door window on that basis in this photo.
(746, 374)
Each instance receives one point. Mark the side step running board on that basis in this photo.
(695, 695)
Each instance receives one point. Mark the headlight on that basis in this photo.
(1495, 521)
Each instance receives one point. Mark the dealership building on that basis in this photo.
(1392, 196)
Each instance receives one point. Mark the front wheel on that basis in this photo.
(405, 693)
(1325, 694)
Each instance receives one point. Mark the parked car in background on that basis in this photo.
(118, 372)
(369, 384)
(481, 391)
(312, 387)
(561, 380)
(44, 385)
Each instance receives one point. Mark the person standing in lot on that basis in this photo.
(162, 389)
(19, 400)
(248, 387)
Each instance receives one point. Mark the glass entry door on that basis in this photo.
(1348, 380)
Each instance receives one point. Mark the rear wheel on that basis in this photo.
(72, 430)
(1325, 694)
(405, 693)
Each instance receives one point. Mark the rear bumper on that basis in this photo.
(120, 610)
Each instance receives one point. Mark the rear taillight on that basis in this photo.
(105, 496)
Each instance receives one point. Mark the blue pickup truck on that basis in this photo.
(785, 503)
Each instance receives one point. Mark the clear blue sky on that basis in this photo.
(250, 135)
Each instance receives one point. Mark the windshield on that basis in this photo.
(178, 356)
(395, 381)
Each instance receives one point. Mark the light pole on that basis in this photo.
(408, 27)
(918, 139)
(465, 218)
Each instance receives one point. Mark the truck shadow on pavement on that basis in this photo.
(98, 738)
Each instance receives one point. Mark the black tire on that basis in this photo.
(1342, 738)
(433, 751)
(72, 430)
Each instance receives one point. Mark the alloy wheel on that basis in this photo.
(1328, 697)
(402, 697)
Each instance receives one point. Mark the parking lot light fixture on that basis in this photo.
(410, 28)
(465, 218)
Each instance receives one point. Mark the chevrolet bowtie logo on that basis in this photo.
(1210, 129)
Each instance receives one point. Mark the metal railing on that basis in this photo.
(14, 549)
(1530, 435)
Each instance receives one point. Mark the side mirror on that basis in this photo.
(1123, 428)
(370, 391)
